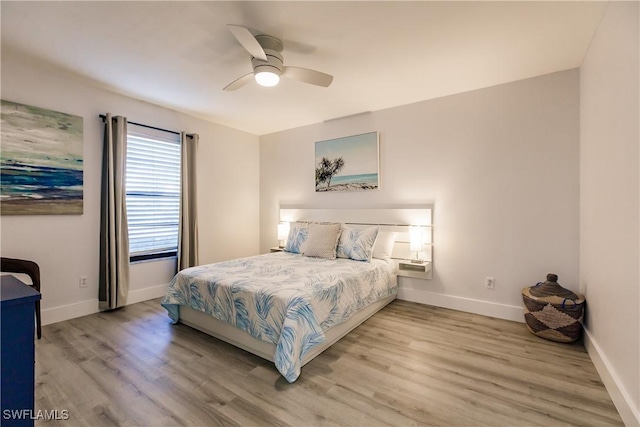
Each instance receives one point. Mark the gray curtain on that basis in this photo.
(114, 233)
(188, 231)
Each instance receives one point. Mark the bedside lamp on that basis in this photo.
(416, 242)
(283, 233)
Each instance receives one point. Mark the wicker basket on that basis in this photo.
(553, 312)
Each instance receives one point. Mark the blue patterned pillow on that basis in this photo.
(298, 232)
(357, 243)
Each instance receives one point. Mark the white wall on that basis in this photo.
(67, 247)
(609, 204)
(500, 166)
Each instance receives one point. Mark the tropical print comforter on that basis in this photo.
(282, 298)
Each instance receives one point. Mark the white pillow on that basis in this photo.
(322, 240)
(357, 243)
(384, 245)
(298, 232)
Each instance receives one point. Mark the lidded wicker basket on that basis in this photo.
(553, 312)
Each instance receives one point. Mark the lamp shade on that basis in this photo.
(416, 239)
(283, 231)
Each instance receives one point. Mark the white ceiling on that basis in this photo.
(382, 54)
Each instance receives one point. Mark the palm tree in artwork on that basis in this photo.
(327, 169)
(336, 167)
(322, 171)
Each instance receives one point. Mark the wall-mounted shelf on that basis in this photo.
(416, 270)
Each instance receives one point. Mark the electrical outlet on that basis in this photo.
(489, 282)
(83, 282)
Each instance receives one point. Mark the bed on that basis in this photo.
(287, 307)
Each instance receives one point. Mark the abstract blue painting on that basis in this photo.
(40, 161)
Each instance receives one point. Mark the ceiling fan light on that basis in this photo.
(267, 78)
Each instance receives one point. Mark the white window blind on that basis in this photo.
(153, 190)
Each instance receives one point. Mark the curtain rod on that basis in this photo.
(103, 117)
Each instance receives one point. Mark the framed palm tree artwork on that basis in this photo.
(351, 163)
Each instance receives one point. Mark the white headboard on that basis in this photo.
(397, 220)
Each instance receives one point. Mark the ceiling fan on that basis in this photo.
(267, 62)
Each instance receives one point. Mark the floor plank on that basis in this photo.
(409, 365)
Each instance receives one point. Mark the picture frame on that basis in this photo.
(350, 163)
(42, 161)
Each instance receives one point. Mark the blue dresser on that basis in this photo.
(17, 311)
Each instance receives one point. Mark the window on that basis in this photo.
(153, 192)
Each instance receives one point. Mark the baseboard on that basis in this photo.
(628, 411)
(146, 294)
(69, 311)
(84, 308)
(485, 308)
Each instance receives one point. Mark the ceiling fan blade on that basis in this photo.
(248, 41)
(238, 83)
(307, 76)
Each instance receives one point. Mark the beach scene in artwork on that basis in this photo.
(348, 164)
(40, 161)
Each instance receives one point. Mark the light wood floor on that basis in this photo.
(410, 364)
